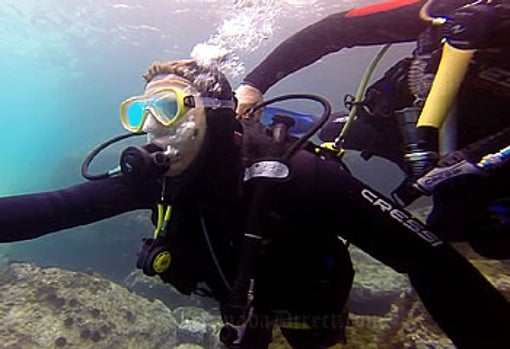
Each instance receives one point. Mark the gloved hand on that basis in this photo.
(479, 26)
(248, 96)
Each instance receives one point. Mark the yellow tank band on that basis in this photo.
(449, 76)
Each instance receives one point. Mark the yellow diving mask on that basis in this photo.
(167, 105)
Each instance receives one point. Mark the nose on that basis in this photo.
(151, 124)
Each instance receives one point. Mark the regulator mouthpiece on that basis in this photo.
(142, 162)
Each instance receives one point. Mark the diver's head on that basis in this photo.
(181, 101)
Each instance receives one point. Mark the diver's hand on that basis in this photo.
(479, 25)
(248, 96)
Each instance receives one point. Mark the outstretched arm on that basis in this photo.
(386, 22)
(463, 303)
(33, 215)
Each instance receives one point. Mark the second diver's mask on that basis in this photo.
(173, 115)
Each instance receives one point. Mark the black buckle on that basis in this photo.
(189, 101)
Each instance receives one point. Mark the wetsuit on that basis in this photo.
(319, 194)
(485, 91)
(482, 107)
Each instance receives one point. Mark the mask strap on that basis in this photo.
(209, 102)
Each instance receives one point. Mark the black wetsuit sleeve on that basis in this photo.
(29, 216)
(391, 22)
(320, 198)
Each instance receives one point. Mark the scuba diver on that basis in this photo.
(460, 69)
(238, 209)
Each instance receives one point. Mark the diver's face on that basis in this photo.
(181, 141)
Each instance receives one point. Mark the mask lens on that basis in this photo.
(134, 113)
(165, 107)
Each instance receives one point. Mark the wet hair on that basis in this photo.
(208, 80)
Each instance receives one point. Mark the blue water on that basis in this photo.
(65, 66)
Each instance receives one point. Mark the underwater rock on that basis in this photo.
(496, 271)
(191, 331)
(51, 307)
(406, 326)
(197, 326)
(189, 346)
(54, 308)
(152, 287)
(376, 287)
(401, 321)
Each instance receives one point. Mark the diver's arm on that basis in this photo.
(29, 216)
(463, 303)
(388, 22)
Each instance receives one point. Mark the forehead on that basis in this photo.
(169, 80)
